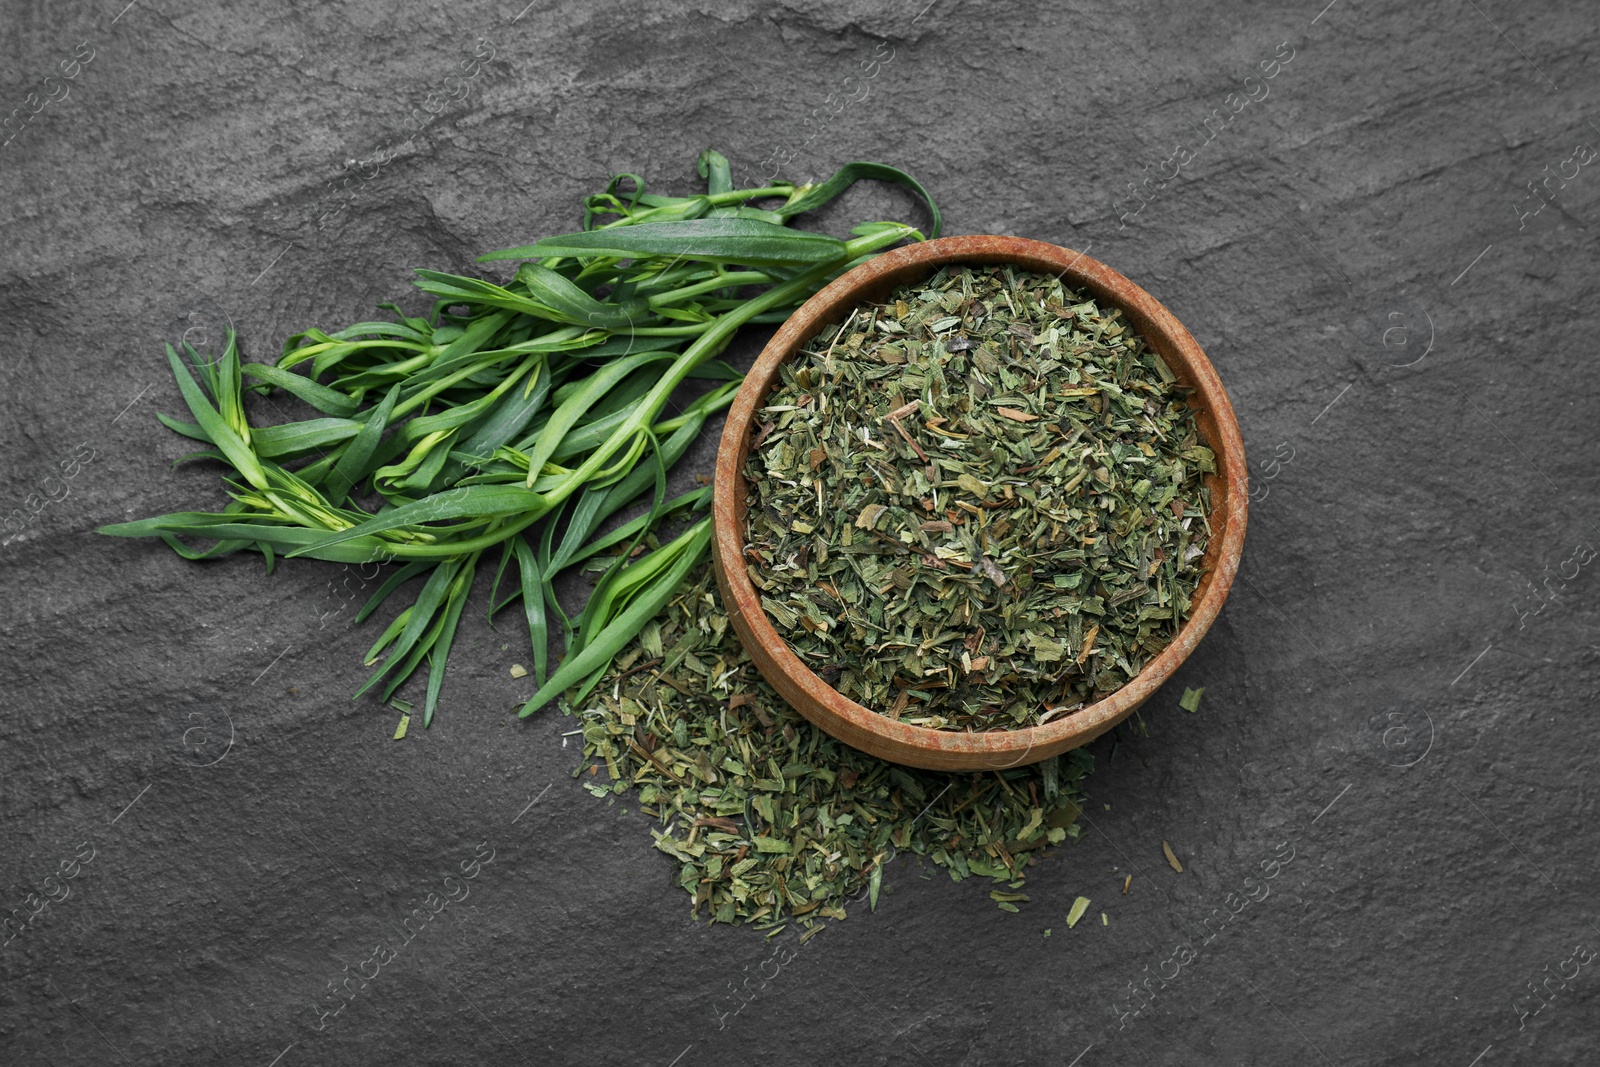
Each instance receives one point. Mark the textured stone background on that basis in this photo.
(1399, 694)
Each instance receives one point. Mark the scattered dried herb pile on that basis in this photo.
(979, 504)
(770, 818)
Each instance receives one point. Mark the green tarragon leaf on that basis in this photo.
(748, 242)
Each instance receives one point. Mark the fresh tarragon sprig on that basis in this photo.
(519, 416)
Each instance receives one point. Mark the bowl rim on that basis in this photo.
(924, 746)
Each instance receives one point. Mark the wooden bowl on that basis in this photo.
(949, 750)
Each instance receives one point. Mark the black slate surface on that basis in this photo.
(1396, 721)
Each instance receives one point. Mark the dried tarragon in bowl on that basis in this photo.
(979, 504)
(771, 819)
